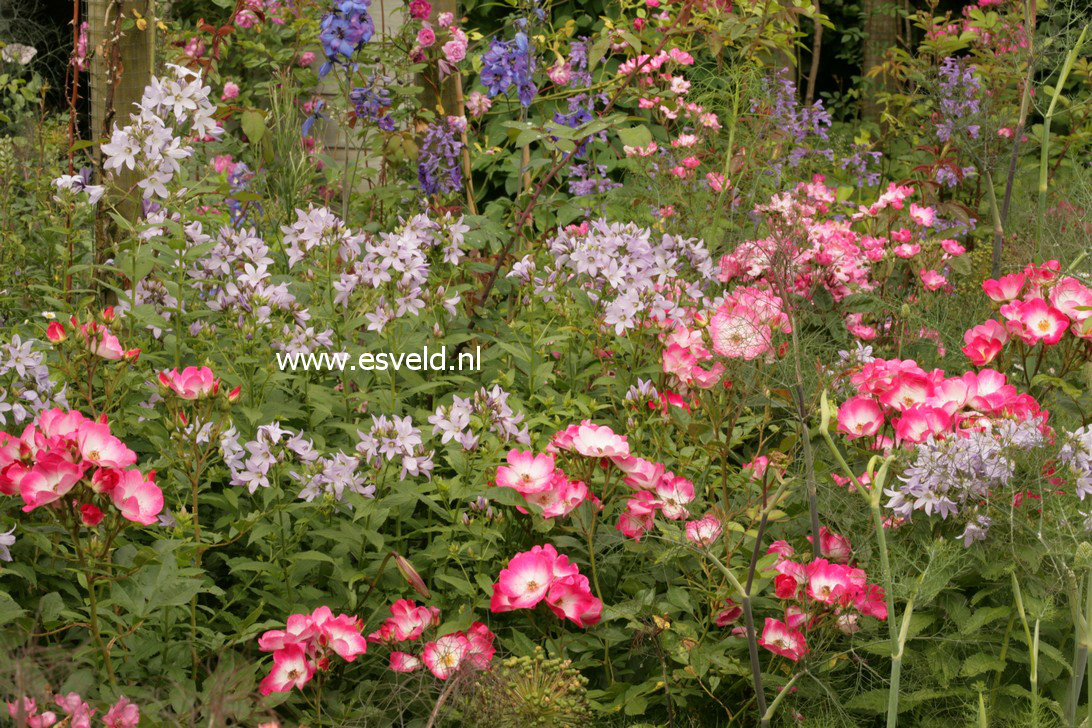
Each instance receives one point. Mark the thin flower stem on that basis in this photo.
(896, 663)
(590, 538)
(805, 433)
(785, 690)
(444, 695)
(998, 225)
(1033, 648)
(460, 104)
(752, 634)
(92, 596)
(896, 636)
(1044, 154)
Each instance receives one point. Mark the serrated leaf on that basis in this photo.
(983, 617)
(9, 609)
(50, 606)
(980, 663)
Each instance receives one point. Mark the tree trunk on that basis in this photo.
(881, 29)
(816, 49)
(121, 66)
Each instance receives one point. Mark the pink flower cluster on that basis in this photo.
(664, 93)
(453, 49)
(817, 592)
(657, 490)
(919, 404)
(1036, 308)
(443, 656)
(191, 383)
(704, 531)
(744, 324)
(741, 325)
(304, 646)
(1004, 33)
(686, 355)
(813, 245)
(77, 713)
(61, 449)
(543, 574)
(95, 337)
(536, 478)
(540, 481)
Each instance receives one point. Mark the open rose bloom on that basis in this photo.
(190, 383)
(913, 405)
(544, 574)
(306, 644)
(444, 655)
(64, 458)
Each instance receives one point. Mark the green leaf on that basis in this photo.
(635, 136)
(1061, 384)
(980, 663)
(50, 606)
(983, 617)
(253, 123)
(873, 701)
(9, 610)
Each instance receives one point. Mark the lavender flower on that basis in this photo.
(150, 147)
(343, 31)
(627, 272)
(958, 99)
(953, 475)
(317, 228)
(304, 340)
(239, 180)
(642, 393)
(865, 163)
(1077, 454)
(6, 541)
(372, 100)
(80, 183)
(395, 438)
(590, 179)
(804, 125)
(976, 530)
(439, 165)
(333, 476)
(25, 386)
(510, 63)
(250, 464)
(465, 420)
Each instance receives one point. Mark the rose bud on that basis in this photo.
(90, 515)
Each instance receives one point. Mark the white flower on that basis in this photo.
(6, 540)
(18, 53)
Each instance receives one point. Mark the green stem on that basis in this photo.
(595, 581)
(897, 635)
(1044, 153)
(896, 663)
(95, 630)
(1080, 655)
(998, 226)
(92, 597)
(769, 714)
(1033, 648)
(752, 635)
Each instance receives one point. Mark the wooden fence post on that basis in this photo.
(121, 66)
